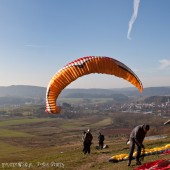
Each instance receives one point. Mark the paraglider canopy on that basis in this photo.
(84, 66)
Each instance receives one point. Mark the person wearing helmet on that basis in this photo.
(136, 138)
(87, 141)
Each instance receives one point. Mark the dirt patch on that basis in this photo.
(116, 131)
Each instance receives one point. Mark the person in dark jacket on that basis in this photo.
(83, 139)
(136, 138)
(87, 141)
(101, 140)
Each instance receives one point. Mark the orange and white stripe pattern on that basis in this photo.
(84, 66)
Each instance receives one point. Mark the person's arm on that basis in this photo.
(136, 136)
(138, 143)
(83, 137)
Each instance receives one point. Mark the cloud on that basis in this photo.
(133, 18)
(164, 64)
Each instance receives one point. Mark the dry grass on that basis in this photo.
(59, 141)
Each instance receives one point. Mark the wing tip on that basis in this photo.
(57, 110)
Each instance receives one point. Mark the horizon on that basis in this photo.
(94, 88)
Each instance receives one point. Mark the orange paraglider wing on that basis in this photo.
(84, 66)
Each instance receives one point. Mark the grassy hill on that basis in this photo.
(54, 143)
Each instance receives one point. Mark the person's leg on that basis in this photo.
(85, 148)
(88, 148)
(132, 147)
(102, 145)
(138, 155)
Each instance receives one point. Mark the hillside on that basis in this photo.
(39, 92)
(19, 94)
(56, 144)
(22, 91)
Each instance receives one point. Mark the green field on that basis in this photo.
(21, 121)
(56, 144)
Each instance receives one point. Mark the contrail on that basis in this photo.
(134, 16)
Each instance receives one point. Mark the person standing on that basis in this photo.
(101, 140)
(87, 141)
(136, 138)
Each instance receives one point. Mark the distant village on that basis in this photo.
(157, 108)
(161, 109)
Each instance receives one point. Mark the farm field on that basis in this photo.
(55, 143)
